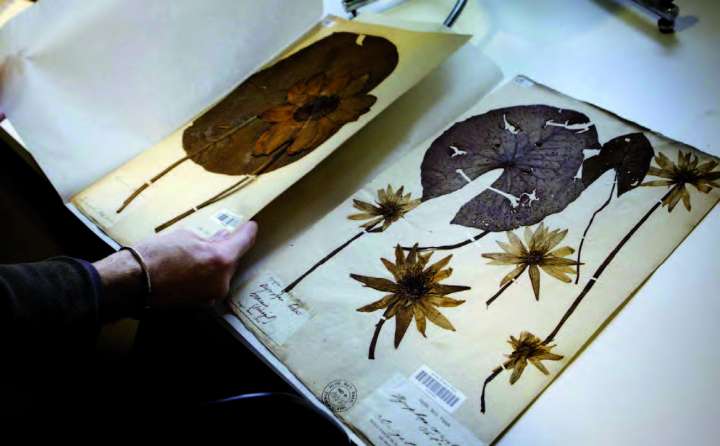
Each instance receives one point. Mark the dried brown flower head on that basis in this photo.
(686, 171)
(389, 207)
(528, 348)
(538, 254)
(315, 109)
(415, 291)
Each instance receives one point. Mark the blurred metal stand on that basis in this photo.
(351, 6)
(667, 10)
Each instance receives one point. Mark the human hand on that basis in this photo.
(184, 268)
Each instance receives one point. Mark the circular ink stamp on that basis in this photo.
(339, 395)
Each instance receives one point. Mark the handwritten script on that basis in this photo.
(402, 415)
(276, 313)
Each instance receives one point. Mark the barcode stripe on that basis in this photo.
(227, 219)
(437, 388)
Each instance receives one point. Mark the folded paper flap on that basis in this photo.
(124, 77)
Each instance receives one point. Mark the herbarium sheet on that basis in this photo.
(435, 304)
(237, 156)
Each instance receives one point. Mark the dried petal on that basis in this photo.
(362, 216)
(355, 86)
(501, 258)
(562, 252)
(420, 319)
(436, 317)
(442, 289)
(392, 268)
(350, 109)
(278, 114)
(535, 279)
(377, 283)
(556, 273)
(512, 275)
(517, 245)
(518, 369)
(444, 301)
(304, 137)
(402, 322)
(273, 138)
(336, 83)
(365, 206)
(378, 304)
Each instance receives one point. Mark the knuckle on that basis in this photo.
(213, 257)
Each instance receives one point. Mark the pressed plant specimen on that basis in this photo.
(539, 149)
(526, 348)
(688, 171)
(414, 292)
(390, 206)
(540, 253)
(283, 112)
(629, 156)
(315, 109)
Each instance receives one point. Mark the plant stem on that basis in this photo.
(582, 241)
(500, 291)
(602, 267)
(209, 144)
(449, 247)
(373, 342)
(492, 376)
(585, 290)
(244, 181)
(226, 192)
(140, 189)
(329, 256)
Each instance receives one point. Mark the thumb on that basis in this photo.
(240, 241)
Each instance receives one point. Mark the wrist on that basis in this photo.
(124, 286)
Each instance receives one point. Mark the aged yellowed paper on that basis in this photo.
(456, 285)
(89, 86)
(278, 125)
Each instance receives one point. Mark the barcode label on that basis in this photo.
(228, 219)
(438, 389)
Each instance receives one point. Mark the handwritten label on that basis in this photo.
(401, 414)
(275, 312)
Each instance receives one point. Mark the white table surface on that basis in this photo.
(650, 376)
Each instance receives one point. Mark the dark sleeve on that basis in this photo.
(50, 304)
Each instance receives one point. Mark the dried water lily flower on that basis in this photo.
(540, 253)
(223, 140)
(686, 171)
(389, 207)
(314, 110)
(414, 292)
(328, 78)
(528, 348)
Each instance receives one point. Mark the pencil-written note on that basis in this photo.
(276, 313)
